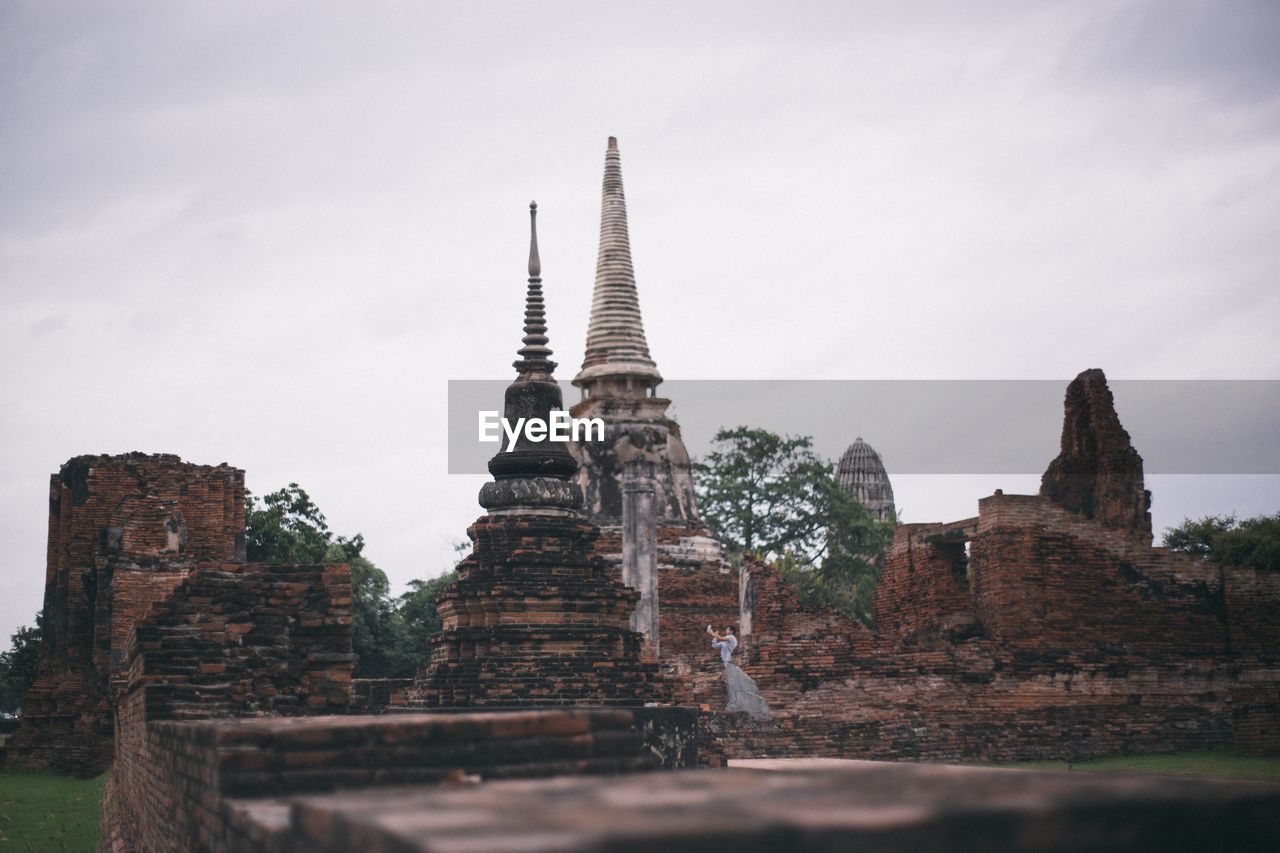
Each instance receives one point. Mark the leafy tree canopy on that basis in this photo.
(773, 497)
(1229, 540)
(421, 621)
(764, 493)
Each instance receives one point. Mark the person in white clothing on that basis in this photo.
(725, 642)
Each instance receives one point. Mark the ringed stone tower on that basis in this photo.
(862, 475)
(619, 381)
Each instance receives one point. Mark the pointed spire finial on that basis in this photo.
(617, 353)
(535, 264)
(535, 356)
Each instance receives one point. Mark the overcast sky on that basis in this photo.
(269, 233)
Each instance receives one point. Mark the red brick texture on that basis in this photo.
(1054, 637)
(232, 640)
(1098, 474)
(535, 618)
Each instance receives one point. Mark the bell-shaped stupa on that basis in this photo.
(535, 617)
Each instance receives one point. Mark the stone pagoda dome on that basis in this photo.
(861, 473)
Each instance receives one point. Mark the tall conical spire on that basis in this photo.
(616, 346)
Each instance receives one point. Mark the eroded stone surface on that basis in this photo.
(1098, 474)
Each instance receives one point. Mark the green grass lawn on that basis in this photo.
(1213, 764)
(41, 812)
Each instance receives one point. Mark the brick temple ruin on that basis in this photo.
(1047, 626)
(536, 617)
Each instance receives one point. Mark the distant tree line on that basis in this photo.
(1229, 540)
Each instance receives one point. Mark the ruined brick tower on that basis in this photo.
(535, 617)
(124, 531)
(1098, 474)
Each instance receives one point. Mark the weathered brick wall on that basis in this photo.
(793, 646)
(244, 639)
(232, 640)
(691, 600)
(1056, 637)
(123, 532)
(1253, 619)
(378, 695)
(924, 596)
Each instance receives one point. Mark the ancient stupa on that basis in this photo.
(535, 618)
(862, 475)
(637, 483)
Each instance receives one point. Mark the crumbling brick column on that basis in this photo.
(124, 531)
(640, 550)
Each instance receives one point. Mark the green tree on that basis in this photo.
(18, 665)
(421, 621)
(286, 527)
(847, 575)
(773, 497)
(763, 493)
(377, 627)
(1250, 542)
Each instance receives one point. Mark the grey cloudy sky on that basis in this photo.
(269, 233)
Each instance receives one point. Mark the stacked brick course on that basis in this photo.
(232, 640)
(239, 639)
(123, 532)
(219, 785)
(535, 619)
